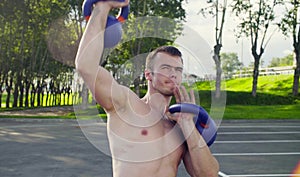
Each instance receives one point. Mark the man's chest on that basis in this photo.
(131, 142)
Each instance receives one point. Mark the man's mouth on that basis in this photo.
(170, 82)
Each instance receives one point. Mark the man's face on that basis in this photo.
(166, 73)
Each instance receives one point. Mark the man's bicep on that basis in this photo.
(107, 92)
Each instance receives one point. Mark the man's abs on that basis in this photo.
(164, 167)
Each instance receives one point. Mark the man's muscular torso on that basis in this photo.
(143, 142)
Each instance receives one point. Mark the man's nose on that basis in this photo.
(172, 73)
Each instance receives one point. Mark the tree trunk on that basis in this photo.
(43, 86)
(296, 45)
(296, 76)
(255, 77)
(218, 80)
(32, 96)
(1, 92)
(8, 90)
(39, 85)
(136, 84)
(84, 95)
(69, 93)
(27, 87)
(47, 97)
(256, 66)
(52, 92)
(21, 97)
(0, 99)
(16, 91)
(217, 59)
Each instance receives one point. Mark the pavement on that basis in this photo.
(59, 148)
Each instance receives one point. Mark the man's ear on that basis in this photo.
(148, 75)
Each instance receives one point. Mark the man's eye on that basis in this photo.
(179, 70)
(166, 67)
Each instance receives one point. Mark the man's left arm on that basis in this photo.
(198, 159)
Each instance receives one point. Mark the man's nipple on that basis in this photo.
(144, 132)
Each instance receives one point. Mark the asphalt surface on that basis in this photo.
(59, 148)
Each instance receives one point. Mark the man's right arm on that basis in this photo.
(98, 79)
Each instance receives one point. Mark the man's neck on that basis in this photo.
(156, 98)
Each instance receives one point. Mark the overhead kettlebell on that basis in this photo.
(113, 30)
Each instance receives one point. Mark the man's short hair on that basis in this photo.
(171, 50)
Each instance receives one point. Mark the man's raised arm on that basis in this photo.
(90, 50)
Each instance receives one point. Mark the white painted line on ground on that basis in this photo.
(98, 124)
(255, 133)
(37, 126)
(258, 175)
(258, 141)
(259, 126)
(257, 154)
(222, 174)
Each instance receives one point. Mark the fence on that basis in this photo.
(266, 71)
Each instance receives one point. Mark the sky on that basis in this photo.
(279, 45)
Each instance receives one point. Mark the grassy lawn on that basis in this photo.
(273, 100)
(262, 112)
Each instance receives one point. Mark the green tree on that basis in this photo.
(256, 18)
(285, 61)
(150, 19)
(290, 26)
(230, 64)
(24, 56)
(39, 40)
(218, 11)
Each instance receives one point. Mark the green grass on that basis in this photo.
(273, 101)
(64, 100)
(271, 90)
(276, 84)
(262, 112)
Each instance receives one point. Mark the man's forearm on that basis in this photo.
(91, 44)
(203, 162)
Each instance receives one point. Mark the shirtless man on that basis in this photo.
(145, 139)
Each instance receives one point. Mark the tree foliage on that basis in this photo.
(39, 40)
(230, 64)
(218, 11)
(150, 24)
(290, 26)
(256, 17)
(284, 61)
(25, 60)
